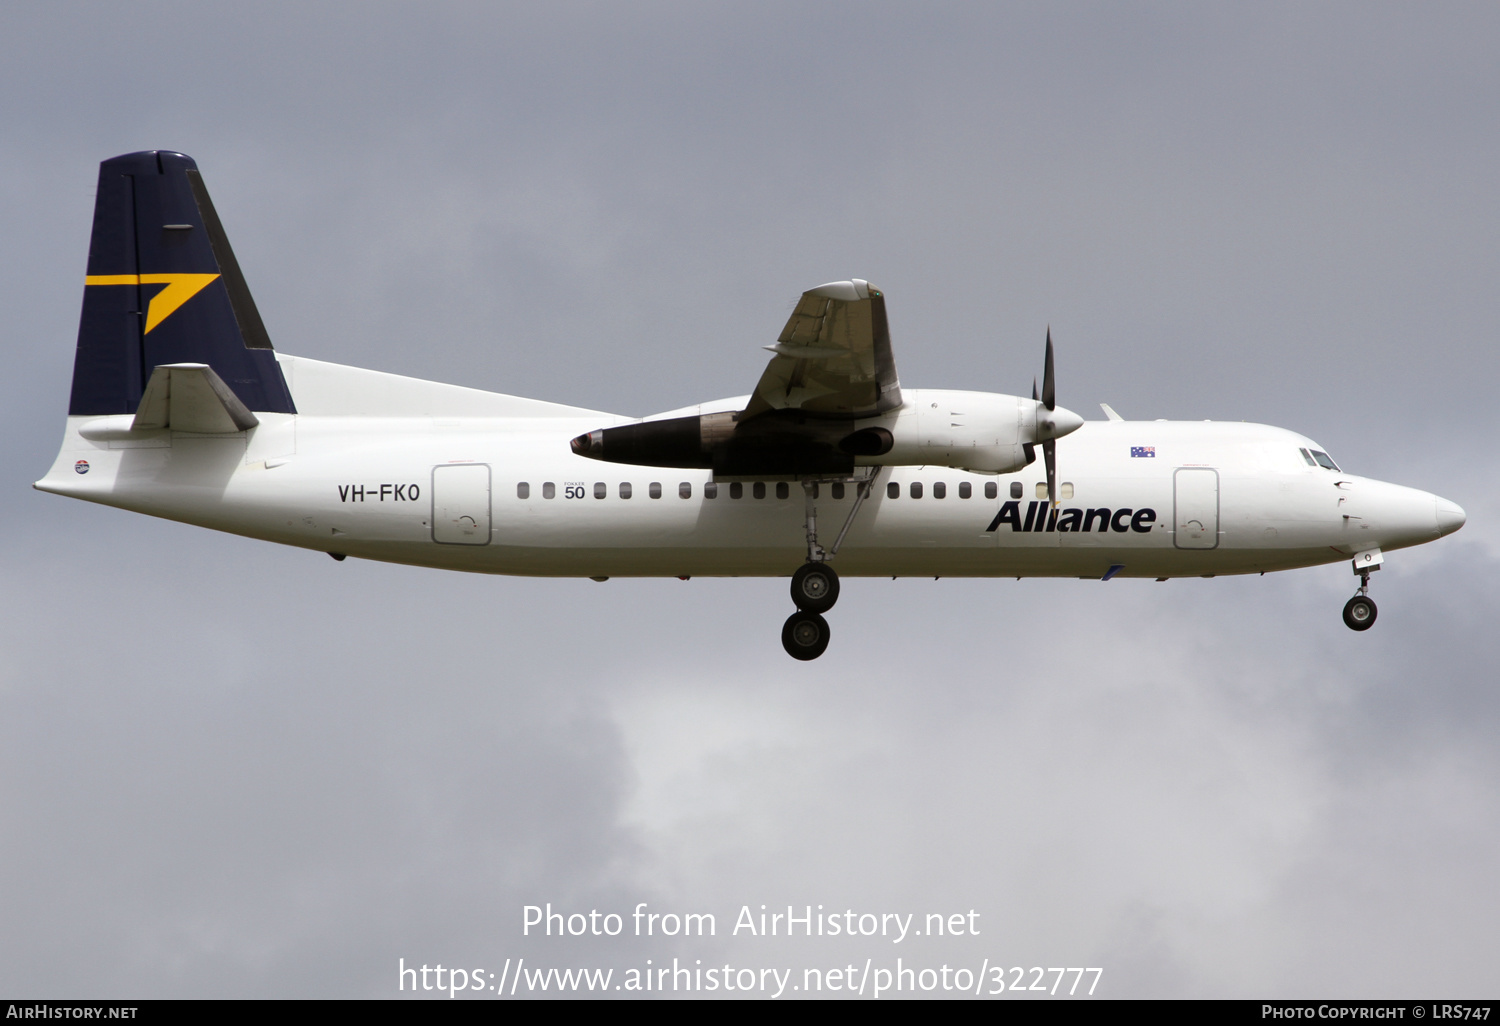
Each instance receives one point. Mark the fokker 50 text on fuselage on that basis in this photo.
(181, 409)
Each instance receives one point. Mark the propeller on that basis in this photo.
(1027, 447)
(1052, 421)
(1049, 400)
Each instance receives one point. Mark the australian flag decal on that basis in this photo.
(1138, 451)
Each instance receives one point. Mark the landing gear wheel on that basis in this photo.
(815, 588)
(805, 635)
(1359, 613)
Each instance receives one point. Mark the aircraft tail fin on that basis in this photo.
(163, 288)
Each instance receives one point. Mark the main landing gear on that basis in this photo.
(804, 635)
(815, 585)
(1359, 612)
(815, 588)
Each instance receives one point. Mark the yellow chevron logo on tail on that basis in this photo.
(179, 289)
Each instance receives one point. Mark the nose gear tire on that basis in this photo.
(1359, 613)
(815, 587)
(804, 635)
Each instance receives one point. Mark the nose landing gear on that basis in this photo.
(1359, 612)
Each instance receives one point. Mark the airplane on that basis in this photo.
(181, 408)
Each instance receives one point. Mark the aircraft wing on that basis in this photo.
(833, 358)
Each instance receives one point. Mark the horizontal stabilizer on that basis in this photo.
(191, 397)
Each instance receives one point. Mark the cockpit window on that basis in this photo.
(1315, 458)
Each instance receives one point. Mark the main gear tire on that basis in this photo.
(805, 635)
(815, 587)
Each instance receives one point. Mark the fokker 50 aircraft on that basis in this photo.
(181, 409)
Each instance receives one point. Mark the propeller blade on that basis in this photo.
(1033, 389)
(1049, 453)
(1049, 385)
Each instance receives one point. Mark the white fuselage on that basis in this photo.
(393, 469)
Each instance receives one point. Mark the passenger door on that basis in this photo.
(1196, 508)
(461, 504)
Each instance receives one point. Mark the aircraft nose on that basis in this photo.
(1056, 423)
(1450, 515)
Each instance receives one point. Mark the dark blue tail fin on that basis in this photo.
(163, 287)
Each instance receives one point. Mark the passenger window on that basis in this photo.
(711, 490)
(654, 489)
(758, 489)
(940, 489)
(1066, 488)
(600, 489)
(549, 490)
(523, 490)
(736, 490)
(783, 491)
(685, 491)
(991, 489)
(625, 489)
(893, 491)
(916, 489)
(1015, 490)
(965, 490)
(1041, 489)
(837, 490)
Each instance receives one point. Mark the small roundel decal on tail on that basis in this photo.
(82, 466)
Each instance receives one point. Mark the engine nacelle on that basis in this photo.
(979, 431)
(983, 432)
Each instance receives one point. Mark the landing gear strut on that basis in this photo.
(1359, 612)
(815, 585)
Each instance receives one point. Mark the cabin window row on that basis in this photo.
(758, 489)
(626, 490)
(917, 490)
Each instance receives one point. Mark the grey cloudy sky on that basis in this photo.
(231, 769)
